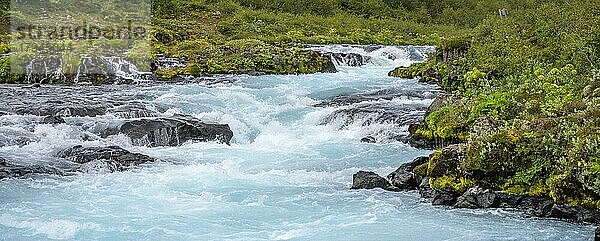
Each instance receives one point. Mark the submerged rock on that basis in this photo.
(8, 170)
(172, 131)
(61, 109)
(368, 139)
(116, 158)
(370, 180)
(53, 120)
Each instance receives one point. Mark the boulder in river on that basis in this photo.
(476, 197)
(578, 214)
(172, 131)
(443, 198)
(370, 180)
(404, 177)
(117, 158)
(8, 170)
(53, 120)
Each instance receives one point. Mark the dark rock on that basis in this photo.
(597, 234)
(443, 198)
(131, 110)
(404, 178)
(172, 131)
(53, 120)
(575, 213)
(370, 180)
(8, 170)
(476, 197)
(117, 158)
(368, 139)
(329, 66)
(536, 206)
(505, 200)
(61, 109)
(425, 190)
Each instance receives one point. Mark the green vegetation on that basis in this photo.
(526, 98)
(229, 36)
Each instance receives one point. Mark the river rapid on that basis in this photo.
(286, 175)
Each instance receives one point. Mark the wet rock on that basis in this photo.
(172, 131)
(53, 120)
(505, 200)
(404, 177)
(476, 197)
(443, 198)
(425, 190)
(578, 214)
(117, 158)
(8, 170)
(370, 180)
(130, 111)
(329, 66)
(368, 139)
(597, 234)
(536, 206)
(61, 109)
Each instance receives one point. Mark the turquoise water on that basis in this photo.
(286, 175)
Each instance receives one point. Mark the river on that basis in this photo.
(286, 175)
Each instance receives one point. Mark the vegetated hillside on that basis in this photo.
(226, 36)
(524, 103)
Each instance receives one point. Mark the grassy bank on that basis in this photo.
(229, 36)
(524, 104)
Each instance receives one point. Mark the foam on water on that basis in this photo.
(286, 175)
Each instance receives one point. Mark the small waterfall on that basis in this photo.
(45, 70)
(110, 70)
(376, 55)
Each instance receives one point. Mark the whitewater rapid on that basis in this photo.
(285, 176)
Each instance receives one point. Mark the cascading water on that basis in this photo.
(286, 174)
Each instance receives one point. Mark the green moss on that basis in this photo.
(450, 183)
(421, 170)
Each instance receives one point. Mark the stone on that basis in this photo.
(536, 206)
(404, 178)
(8, 170)
(443, 198)
(476, 197)
(368, 139)
(370, 180)
(117, 158)
(172, 131)
(574, 213)
(53, 120)
(425, 190)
